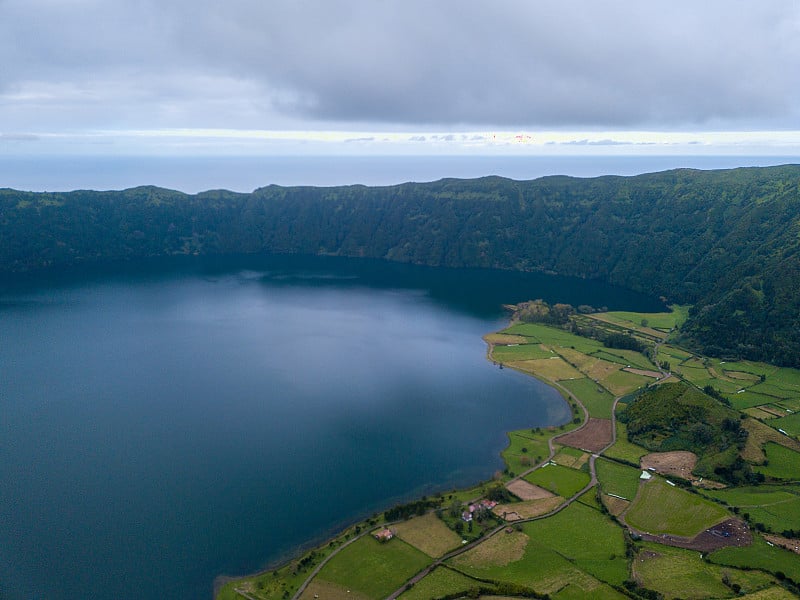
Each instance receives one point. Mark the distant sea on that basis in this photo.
(244, 174)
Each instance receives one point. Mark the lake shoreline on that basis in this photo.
(337, 531)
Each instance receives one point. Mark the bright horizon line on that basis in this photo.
(417, 142)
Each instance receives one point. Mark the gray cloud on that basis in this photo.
(245, 63)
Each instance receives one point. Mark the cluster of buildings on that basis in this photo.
(473, 508)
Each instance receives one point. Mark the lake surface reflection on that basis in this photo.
(163, 424)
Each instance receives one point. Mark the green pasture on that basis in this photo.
(769, 388)
(622, 382)
(555, 337)
(790, 424)
(562, 481)
(748, 399)
(524, 448)
(626, 358)
(679, 573)
(574, 592)
(662, 508)
(623, 449)
(616, 478)
(442, 581)
(586, 538)
(597, 400)
(759, 555)
(372, 568)
(539, 567)
(662, 320)
(507, 354)
(782, 463)
(747, 497)
(589, 498)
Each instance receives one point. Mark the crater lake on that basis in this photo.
(168, 422)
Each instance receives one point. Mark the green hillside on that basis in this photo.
(725, 241)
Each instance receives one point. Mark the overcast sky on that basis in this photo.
(405, 76)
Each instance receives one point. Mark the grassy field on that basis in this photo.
(759, 435)
(790, 424)
(783, 463)
(429, 534)
(551, 336)
(664, 320)
(618, 479)
(374, 569)
(570, 457)
(560, 480)
(554, 368)
(760, 555)
(507, 354)
(525, 449)
(679, 573)
(440, 582)
(585, 537)
(539, 567)
(623, 382)
(662, 508)
(623, 449)
(597, 400)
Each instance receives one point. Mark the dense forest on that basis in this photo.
(725, 241)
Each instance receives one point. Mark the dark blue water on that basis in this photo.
(164, 424)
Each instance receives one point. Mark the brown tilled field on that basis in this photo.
(679, 463)
(527, 491)
(592, 437)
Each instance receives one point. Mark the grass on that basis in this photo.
(623, 449)
(552, 336)
(679, 573)
(554, 368)
(626, 358)
(571, 457)
(790, 424)
(595, 398)
(663, 320)
(783, 463)
(374, 569)
(560, 480)
(539, 567)
(662, 508)
(535, 446)
(587, 538)
(619, 479)
(506, 354)
(748, 399)
(759, 435)
(440, 582)
(759, 555)
(429, 534)
(622, 382)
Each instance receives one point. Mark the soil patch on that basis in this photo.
(773, 411)
(504, 339)
(680, 463)
(527, 509)
(646, 373)
(616, 506)
(527, 491)
(592, 437)
(793, 545)
(732, 532)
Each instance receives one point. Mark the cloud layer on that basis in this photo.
(410, 65)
